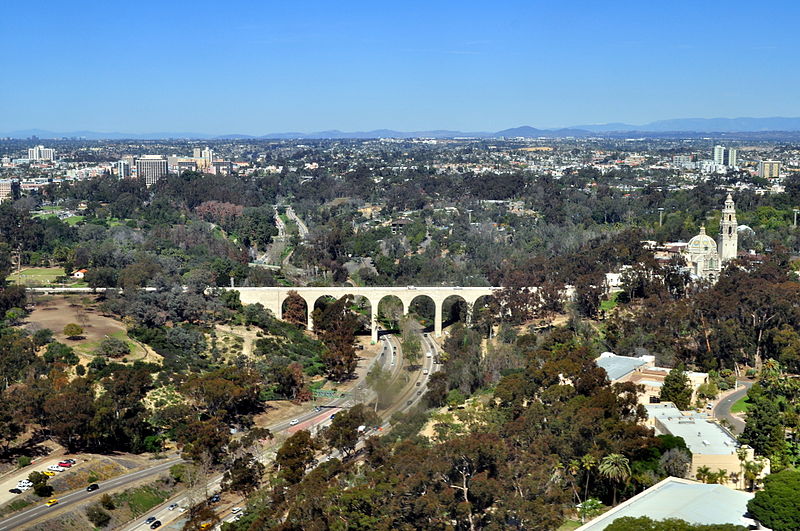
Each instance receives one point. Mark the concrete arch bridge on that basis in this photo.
(273, 298)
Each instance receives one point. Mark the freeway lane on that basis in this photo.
(311, 421)
(28, 516)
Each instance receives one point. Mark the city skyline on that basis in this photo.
(254, 69)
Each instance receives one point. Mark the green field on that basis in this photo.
(741, 405)
(610, 303)
(36, 276)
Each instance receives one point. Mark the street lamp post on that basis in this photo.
(660, 216)
(795, 210)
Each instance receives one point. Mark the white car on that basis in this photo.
(429, 355)
(424, 371)
(236, 510)
(24, 483)
(294, 422)
(56, 468)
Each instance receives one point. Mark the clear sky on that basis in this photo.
(256, 67)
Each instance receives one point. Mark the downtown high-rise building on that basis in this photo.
(769, 169)
(123, 169)
(725, 156)
(151, 168)
(41, 153)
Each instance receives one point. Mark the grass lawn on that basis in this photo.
(741, 405)
(73, 220)
(610, 303)
(569, 524)
(36, 276)
(142, 499)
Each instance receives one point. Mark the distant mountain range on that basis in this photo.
(680, 125)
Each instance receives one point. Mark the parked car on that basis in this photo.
(65, 464)
(71, 461)
(49, 473)
(214, 498)
(15, 491)
(56, 468)
(52, 502)
(93, 486)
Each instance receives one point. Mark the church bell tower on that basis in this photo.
(729, 238)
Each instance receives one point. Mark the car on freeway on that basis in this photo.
(419, 392)
(409, 402)
(93, 486)
(333, 416)
(49, 473)
(429, 355)
(52, 502)
(294, 422)
(15, 491)
(150, 520)
(155, 524)
(236, 510)
(424, 371)
(419, 383)
(172, 507)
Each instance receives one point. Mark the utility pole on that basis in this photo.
(795, 216)
(660, 216)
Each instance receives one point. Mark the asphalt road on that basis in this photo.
(25, 517)
(723, 409)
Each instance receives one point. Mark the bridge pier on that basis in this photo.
(437, 319)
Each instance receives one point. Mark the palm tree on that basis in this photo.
(703, 474)
(588, 462)
(616, 468)
(573, 468)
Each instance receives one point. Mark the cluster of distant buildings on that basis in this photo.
(152, 168)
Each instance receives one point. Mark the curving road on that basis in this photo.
(25, 517)
(71, 499)
(723, 408)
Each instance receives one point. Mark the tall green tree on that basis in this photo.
(777, 506)
(677, 388)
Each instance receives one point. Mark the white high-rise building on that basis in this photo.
(41, 153)
(151, 168)
(719, 155)
(123, 169)
(730, 158)
(208, 155)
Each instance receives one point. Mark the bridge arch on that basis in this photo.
(456, 308)
(273, 298)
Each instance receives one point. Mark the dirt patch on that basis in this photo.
(57, 311)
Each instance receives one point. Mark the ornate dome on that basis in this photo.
(702, 243)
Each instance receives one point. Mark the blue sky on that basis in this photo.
(260, 66)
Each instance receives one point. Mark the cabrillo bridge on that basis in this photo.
(273, 299)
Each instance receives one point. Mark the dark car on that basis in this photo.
(214, 498)
(93, 486)
(150, 520)
(72, 461)
(155, 524)
(15, 491)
